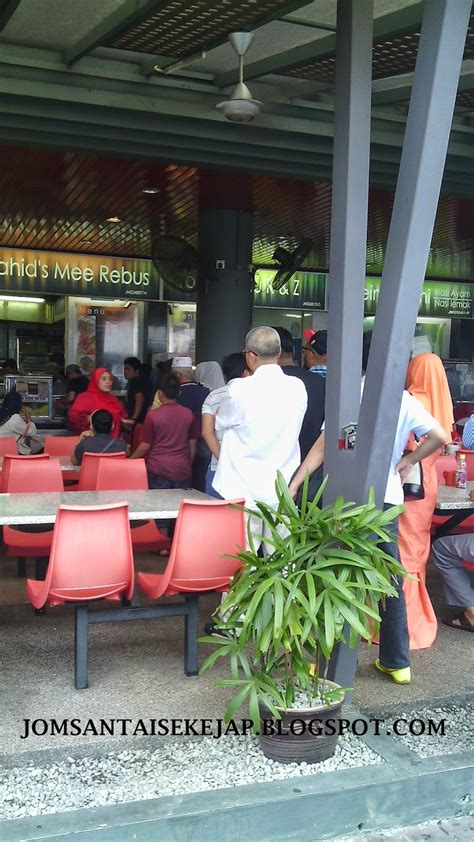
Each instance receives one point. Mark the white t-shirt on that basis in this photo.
(211, 405)
(413, 418)
(17, 427)
(261, 423)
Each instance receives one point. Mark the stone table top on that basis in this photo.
(23, 509)
(454, 499)
(64, 461)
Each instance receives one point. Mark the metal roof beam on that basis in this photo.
(310, 24)
(130, 13)
(399, 89)
(7, 9)
(148, 66)
(404, 20)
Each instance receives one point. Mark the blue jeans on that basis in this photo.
(394, 640)
(156, 481)
(209, 488)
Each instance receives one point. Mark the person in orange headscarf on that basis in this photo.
(426, 381)
(97, 396)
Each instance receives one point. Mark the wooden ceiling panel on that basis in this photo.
(60, 201)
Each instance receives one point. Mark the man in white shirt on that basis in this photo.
(413, 417)
(261, 423)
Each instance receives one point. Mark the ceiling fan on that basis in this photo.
(240, 107)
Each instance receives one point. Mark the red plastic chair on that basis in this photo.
(8, 445)
(10, 458)
(27, 474)
(82, 568)
(445, 462)
(63, 446)
(90, 467)
(205, 533)
(132, 476)
(60, 445)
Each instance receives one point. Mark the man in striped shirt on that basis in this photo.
(468, 434)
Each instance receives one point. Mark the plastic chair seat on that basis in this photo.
(147, 538)
(27, 544)
(155, 586)
(81, 594)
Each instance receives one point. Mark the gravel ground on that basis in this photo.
(459, 731)
(174, 768)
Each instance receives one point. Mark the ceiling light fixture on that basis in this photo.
(113, 219)
(151, 191)
(241, 107)
(22, 299)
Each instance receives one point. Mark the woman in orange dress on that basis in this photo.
(426, 381)
(97, 396)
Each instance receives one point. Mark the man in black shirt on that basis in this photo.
(139, 391)
(76, 383)
(315, 386)
(98, 438)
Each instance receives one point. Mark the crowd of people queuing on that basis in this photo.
(227, 431)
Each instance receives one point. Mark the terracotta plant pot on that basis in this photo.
(301, 736)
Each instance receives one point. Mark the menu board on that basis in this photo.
(36, 393)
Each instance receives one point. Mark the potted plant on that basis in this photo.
(319, 585)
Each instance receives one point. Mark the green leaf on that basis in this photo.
(237, 701)
(329, 622)
(352, 619)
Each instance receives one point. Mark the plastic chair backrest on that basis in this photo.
(90, 467)
(10, 458)
(204, 532)
(26, 477)
(60, 445)
(130, 475)
(445, 462)
(8, 445)
(81, 566)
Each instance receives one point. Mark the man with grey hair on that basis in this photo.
(261, 424)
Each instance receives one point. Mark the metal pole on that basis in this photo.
(347, 260)
(427, 132)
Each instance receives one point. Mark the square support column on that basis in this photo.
(429, 121)
(347, 259)
(430, 115)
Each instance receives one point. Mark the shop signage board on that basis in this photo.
(25, 271)
(441, 300)
(304, 289)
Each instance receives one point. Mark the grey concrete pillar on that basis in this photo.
(347, 258)
(224, 299)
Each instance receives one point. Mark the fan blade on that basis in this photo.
(281, 278)
(302, 251)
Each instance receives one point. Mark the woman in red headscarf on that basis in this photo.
(426, 381)
(97, 396)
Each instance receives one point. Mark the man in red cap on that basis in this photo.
(315, 352)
